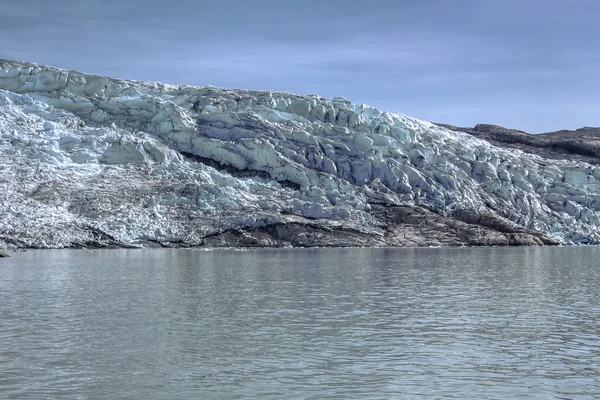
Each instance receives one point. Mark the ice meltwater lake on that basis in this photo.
(465, 323)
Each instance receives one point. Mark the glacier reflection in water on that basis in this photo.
(331, 323)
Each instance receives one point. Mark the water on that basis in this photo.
(359, 323)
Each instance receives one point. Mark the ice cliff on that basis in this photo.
(88, 160)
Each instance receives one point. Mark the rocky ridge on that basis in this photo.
(581, 145)
(87, 160)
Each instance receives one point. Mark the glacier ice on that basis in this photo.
(85, 156)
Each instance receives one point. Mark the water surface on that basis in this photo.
(334, 323)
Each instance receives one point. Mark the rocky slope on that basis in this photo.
(87, 160)
(580, 145)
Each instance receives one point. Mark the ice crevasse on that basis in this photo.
(84, 155)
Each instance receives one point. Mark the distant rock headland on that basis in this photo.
(579, 145)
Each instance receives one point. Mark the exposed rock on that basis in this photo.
(404, 226)
(3, 255)
(580, 145)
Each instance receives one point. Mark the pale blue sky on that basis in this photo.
(526, 64)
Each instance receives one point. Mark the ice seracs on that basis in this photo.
(86, 158)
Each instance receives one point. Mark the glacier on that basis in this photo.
(87, 160)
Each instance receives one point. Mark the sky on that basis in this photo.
(532, 65)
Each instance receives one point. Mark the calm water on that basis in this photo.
(274, 324)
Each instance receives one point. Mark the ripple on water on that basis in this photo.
(360, 323)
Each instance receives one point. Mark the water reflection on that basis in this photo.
(366, 323)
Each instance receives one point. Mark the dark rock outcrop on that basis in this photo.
(404, 225)
(579, 145)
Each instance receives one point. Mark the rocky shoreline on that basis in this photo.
(403, 225)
